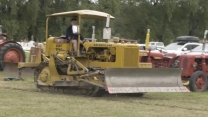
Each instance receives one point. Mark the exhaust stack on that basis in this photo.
(93, 33)
(147, 39)
(107, 30)
(204, 41)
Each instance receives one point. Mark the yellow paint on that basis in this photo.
(47, 28)
(29, 64)
(79, 31)
(185, 82)
(54, 76)
(147, 39)
(98, 54)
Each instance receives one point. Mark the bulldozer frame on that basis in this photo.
(104, 66)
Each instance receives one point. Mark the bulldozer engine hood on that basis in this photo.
(87, 45)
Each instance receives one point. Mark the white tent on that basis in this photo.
(27, 45)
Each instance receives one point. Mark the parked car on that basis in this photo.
(154, 45)
(183, 45)
(180, 48)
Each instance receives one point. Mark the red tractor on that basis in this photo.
(195, 67)
(159, 59)
(193, 63)
(10, 51)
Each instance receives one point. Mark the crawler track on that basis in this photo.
(92, 91)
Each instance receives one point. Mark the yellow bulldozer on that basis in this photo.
(98, 67)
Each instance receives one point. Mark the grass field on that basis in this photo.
(21, 99)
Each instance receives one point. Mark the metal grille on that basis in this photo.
(131, 57)
(184, 63)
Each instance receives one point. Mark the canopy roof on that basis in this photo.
(85, 14)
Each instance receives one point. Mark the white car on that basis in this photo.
(179, 48)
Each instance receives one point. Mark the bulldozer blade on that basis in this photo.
(11, 70)
(138, 80)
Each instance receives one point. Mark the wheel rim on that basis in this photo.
(200, 82)
(13, 55)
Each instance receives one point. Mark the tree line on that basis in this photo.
(166, 19)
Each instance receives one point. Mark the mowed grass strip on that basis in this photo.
(21, 99)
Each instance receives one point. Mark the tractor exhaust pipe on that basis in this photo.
(107, 30)
(204, 40)
(93, 33)
(108, 21)
(147, 39)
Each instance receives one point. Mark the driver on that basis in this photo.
(73, 37)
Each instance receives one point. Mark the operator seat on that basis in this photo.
(64, 40)
(61, 39)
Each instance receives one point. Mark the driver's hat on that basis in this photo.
(74, 18)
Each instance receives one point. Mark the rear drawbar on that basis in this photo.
(12, 70)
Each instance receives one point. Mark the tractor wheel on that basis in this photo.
(198, 82)
(11, 52)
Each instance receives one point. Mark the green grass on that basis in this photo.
(21, 99)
